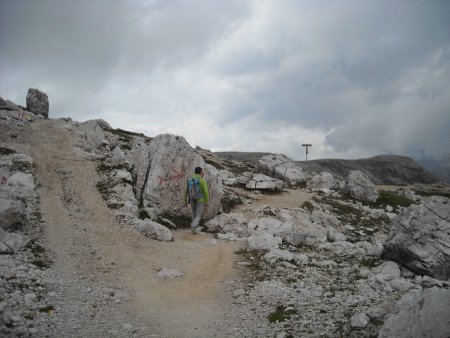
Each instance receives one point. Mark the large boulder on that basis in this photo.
(419, 314)
(419, 238)
(11, 242)
(155, 230)
(360, 187)
(11, 212)
(37, 102)
(282, 167)
(171, 161)
(323, 182)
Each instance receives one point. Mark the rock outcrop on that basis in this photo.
(281, 167)
(171, 162)
(37, 102)
(263, 182)
(420, 238)
(322, 182)
(360, 187)
(419, 314)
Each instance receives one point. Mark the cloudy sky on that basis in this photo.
(355, 78)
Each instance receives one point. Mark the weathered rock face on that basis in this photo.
(281, 167)
(419, 314)
(11, 212)
(155, 230)
(229, 224)
(37, 102)
(171, 162)
(360, 187)
(323, 181)
(263, 182)
(420, 238)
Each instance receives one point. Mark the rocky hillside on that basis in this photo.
(92, 241)
(382, 169)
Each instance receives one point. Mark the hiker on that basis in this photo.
(197, 196)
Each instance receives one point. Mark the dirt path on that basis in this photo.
(86, 243)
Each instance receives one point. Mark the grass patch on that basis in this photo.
(47, 309)
(125, 147)
(432, 193)
(127, 135)
(214, 164)
(35, 247)
(391, 198)
(143, 214)
(237, 169)
(181, 222)
(308, 206)
(6, 151)
(103, 168)
(115, 205)
(229, 202)
(281, 314)
(41, 264)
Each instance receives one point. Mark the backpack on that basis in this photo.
(194, 191)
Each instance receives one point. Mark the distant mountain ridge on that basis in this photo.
(381, 169)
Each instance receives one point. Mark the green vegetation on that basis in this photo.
(47, 309)
(125, 134)
(432, 193)
(308, 206)
(6, 151)
(115, 205)
(143, 214)
(229, 202)
(237, 169)
(41, 264)
(391, 198)
(281, 314)
(214, 164)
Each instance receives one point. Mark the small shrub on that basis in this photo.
(143, 214)
(281, 314)
(229, 202)
(6, 151)
(214, 164)
(308, 206)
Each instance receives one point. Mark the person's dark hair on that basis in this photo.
(198, 170)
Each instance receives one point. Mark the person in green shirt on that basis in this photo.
(198, 200)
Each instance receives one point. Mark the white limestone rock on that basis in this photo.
(21, 182)
(419, 238)
(263, 241)
(282, 167)
(171, 161)
(322, 182)
(169, 273)
(360, 187)
(276, 254)
(233, 223)
(155, 230)
(11, 212)
(419, 314)
(11, 242)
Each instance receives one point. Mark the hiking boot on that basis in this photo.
(194, 231)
